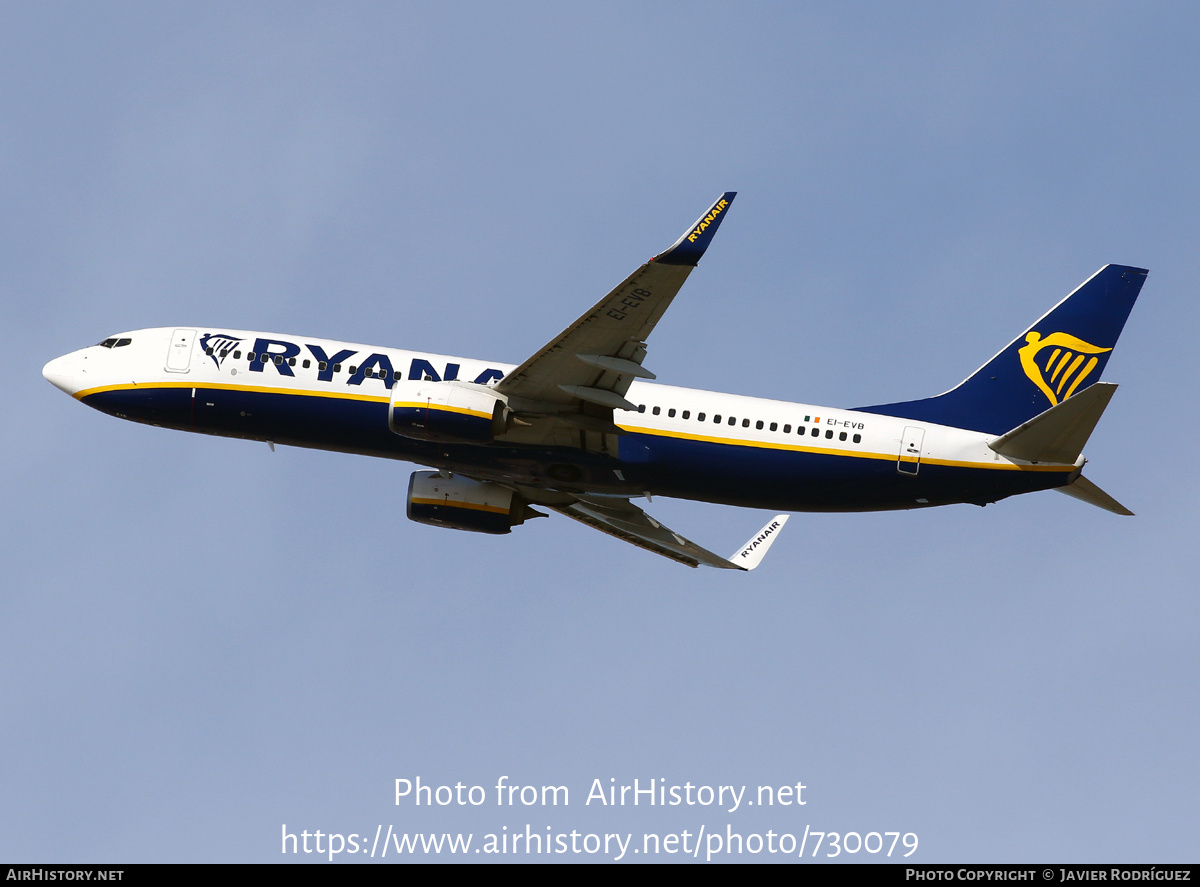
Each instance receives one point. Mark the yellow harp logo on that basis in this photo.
(1065, 367)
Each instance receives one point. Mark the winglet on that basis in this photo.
(688, 249)
(751, 554)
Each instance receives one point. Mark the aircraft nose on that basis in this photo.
(60, 373)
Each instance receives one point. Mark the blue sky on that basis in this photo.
(201, 641)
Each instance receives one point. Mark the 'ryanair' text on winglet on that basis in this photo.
(688, 249)
(751, 554)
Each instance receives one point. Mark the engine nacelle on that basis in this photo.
(464, 504)
(453, 412)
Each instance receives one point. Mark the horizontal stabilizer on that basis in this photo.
(1058, 434)
(1086, 491)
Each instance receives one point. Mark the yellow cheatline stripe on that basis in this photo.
(495, 509)
(653, 432)
(224, 386)
(997, 466)
(425, 405)
(260, 389)
(765, 445)
(856, 454)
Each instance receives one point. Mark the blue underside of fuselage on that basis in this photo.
(748, 476)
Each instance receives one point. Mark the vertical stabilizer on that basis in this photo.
(1060, 355)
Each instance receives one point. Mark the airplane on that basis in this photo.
(580, 428)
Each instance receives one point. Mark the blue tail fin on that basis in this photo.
(1063, 353)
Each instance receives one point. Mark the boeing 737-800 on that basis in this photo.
(579, 429)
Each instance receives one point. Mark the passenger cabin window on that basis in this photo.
(858, 438)
(699, 417)
(787, 429)
(656, 410)
(687, 414)
(250, 356)
(732, 420)
(322, 366)
(671, 413)
(307, 363)
(237, 355)
(774, 426)
(816, 432)
(828, 434)
(842, 436)
(759, 425)
(641, 408)
(717, 418)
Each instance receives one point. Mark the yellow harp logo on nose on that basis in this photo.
(1058, 361)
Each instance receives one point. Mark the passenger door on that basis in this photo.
(179, 352)
(910, 450)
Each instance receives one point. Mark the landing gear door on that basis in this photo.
(910, 450)
(179, 352)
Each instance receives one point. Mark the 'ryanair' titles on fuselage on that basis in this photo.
(281, 354)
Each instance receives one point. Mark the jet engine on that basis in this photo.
(450, 412)
(464, 504)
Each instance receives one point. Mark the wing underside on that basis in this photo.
(621, 518)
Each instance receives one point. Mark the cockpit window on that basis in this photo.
(107, 343)
(114, 343)
(121, 343)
